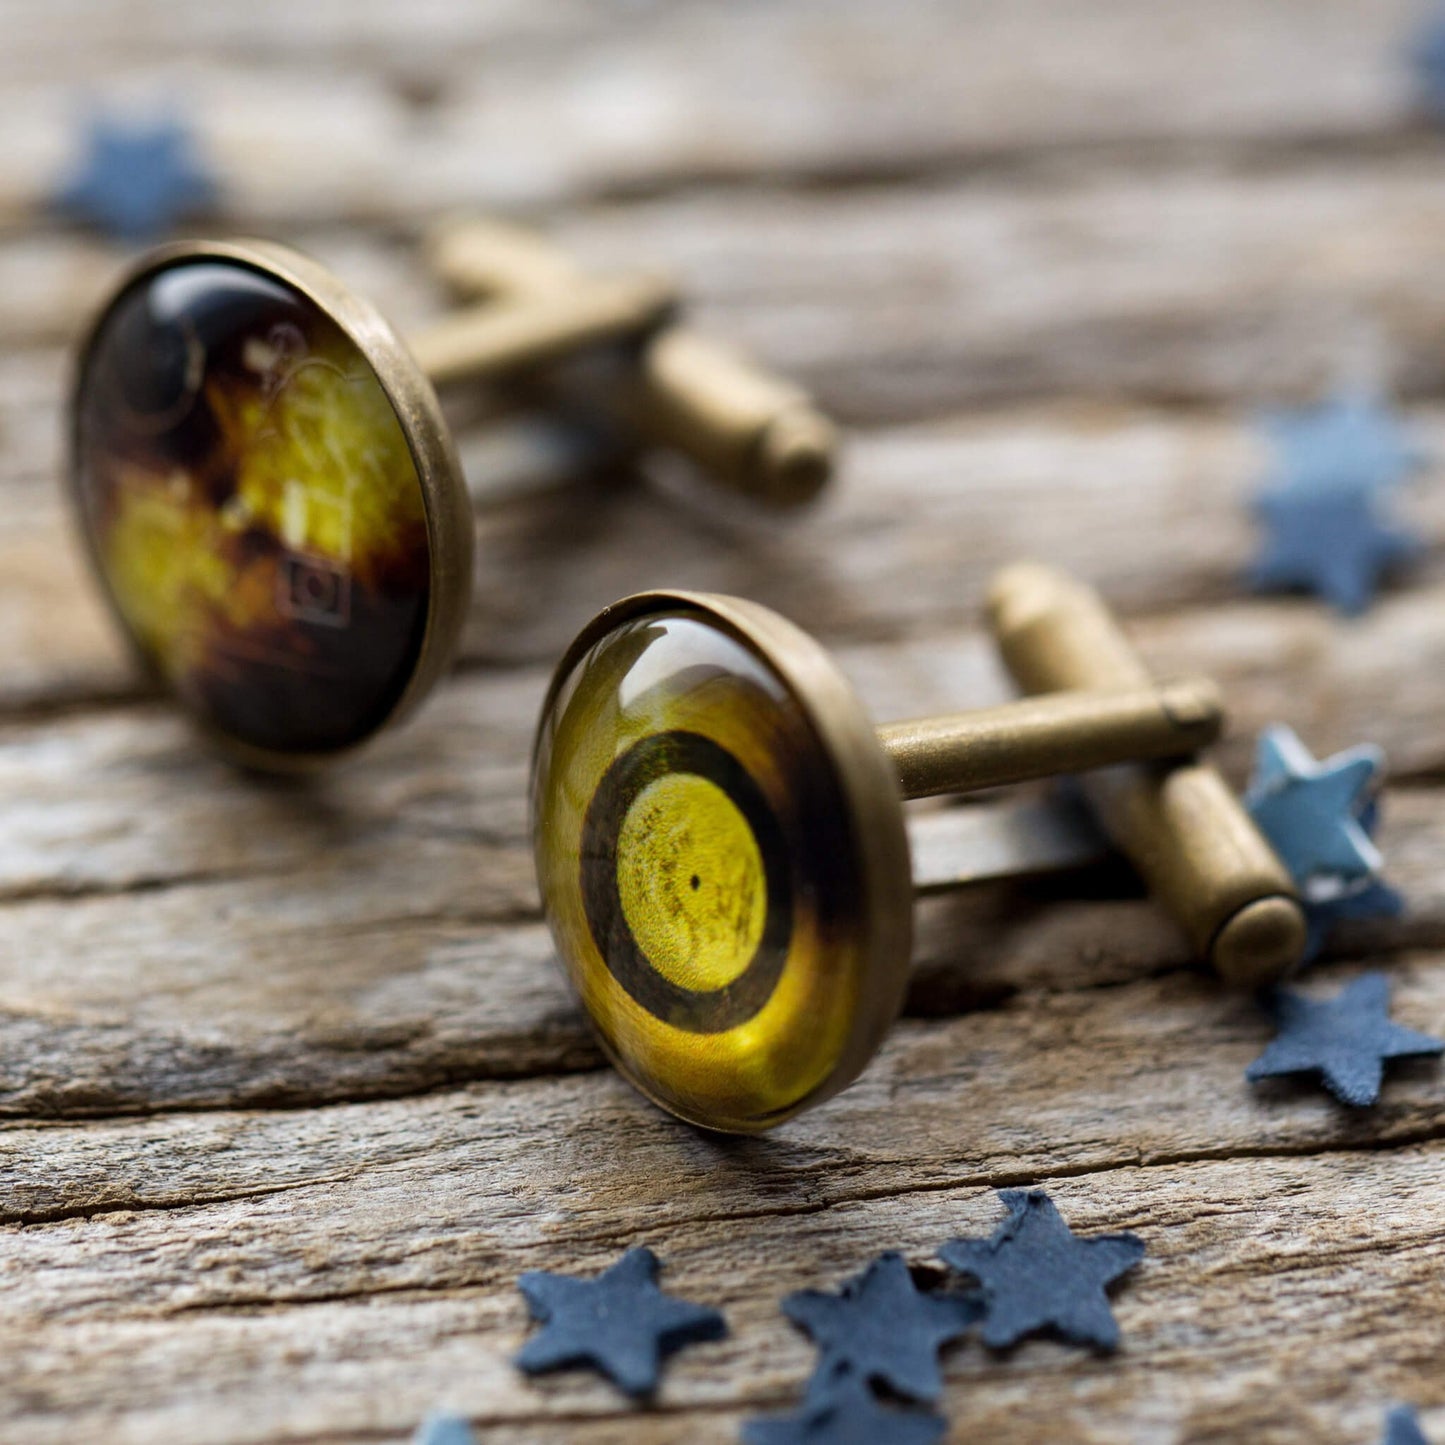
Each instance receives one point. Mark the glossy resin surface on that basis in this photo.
(252, 506)
(701, 872)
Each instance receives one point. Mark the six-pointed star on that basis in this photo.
(1345, 1040)
(881, 1327)
(620, 1322)
(137, 181)
(1310, 811)
(1036, 1275)
(848, 1413)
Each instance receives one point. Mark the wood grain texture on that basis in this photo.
(311, 113)
(290, 1086)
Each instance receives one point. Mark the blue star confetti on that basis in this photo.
(444, 1430)
(1311, 811)
(1322, 502)
(1330, 542)
(1402, 1427)
(882, 1328)
(137, 180)
(1346, 1040)
(620, 1323)
(848, 1413)
(1328, 897)
(1369, 901)
(1428, 54)
(1351, 441)
(1038, 1276)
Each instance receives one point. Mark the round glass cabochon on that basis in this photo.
(252, 506)
(699, 865)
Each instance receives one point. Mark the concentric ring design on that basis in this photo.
(630, 780)
(705, 867)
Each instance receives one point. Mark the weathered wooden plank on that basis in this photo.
(352, 935)
(127, 800)
(336, 1275)
(903, 549)
(178, 937)
(1194, 283)
(367, 1101)
(433, 106)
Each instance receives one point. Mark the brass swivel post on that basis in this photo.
(747, 428)
(1178, 822)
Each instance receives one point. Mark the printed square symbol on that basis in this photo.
(311, 589)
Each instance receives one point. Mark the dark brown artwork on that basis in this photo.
(252, 506)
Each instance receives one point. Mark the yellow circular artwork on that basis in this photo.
(698, 847)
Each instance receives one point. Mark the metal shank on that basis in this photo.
(510, 337)
(747, 428)
(1180, 824)
(1041, 737)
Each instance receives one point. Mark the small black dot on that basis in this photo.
(696, 882)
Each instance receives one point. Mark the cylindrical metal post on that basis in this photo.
(746, 427)
(1040, 737)
(506, 338)
(1180, 824)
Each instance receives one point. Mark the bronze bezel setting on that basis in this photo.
(449, 520)
(867, 785)
(1096, 712)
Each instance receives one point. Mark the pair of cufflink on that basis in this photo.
(273, 505)
(273, 501)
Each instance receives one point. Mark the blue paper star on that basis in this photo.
(1351, 442)
(1402, 1427)
(444, 1430)
(137, 181)
(1372, 900)
(847, 1414)
(1310, 811)
(1331, 542)
(1429, 57)
(881, 1327)
(1036, 1275)
(1346, 1040)
(620, 1322)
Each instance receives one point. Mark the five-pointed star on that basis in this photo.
(881, 1327)
(848, 1413)
(620, 1322)
(1037, 1276)
(1372, 900)
(1310, 811)
(137, 181)
(1330, 541)
(1345, 1040)
(1351, 440)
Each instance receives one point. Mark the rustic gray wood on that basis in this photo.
(290, 1087)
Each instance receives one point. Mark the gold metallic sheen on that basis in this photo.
(723, 1081)
(635, 681)
(1058, 733)
(506, 337)
(749, 429)
(450, 526)
(1181, 825)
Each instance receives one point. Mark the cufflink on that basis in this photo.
(270, 496)
(721, 845)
